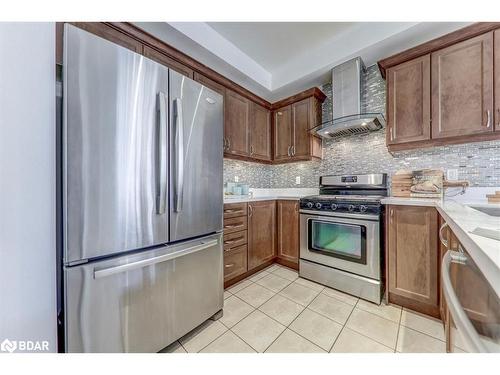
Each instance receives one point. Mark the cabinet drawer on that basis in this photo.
(235, 210)
(235, 239)
(235, 262)
(235, 224)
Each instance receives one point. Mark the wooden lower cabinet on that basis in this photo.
(413, 258)
(235, 262)
(288, 232)
(261, 232)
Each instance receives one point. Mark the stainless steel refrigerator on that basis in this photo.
(142, 199)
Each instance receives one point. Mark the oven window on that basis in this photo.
(345, 241)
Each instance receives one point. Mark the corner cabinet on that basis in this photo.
(292, 124)
(288, 233)
(462, 88)
(260, 133)
(261, 232)
(412, 252)
(445, 91)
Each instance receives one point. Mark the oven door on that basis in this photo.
(350, 244)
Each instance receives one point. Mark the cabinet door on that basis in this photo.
(301, 121)
(236, 121)
(409, 101)
(260, 133)
(413, 258)
(282, 133)
(167, 61)
(261, 232)
(497, 80)
(462, 88)
(205, 81)
(288, 231)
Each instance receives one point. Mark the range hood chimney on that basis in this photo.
(349, 109)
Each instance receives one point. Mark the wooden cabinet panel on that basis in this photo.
(211, 84)
(167, 61)
(408, 101)
(111, 34)
(235, 262)
(301, 121)
(260, 133)
(261, 232)
(236, 123)
(497, 79)
(235, 210)
(288, 230)
(462, 88)
(235, 224)
(282, 133)
(413, 258)
(232, 240)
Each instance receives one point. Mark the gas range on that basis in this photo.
(356, 194)
(341, 234)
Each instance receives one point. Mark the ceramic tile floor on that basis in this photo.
(275, 311)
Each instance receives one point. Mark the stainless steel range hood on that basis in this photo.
(349, 109)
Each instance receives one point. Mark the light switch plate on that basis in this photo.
(297, 180)
(452, 174)
(236, 179)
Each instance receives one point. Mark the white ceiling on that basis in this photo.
(278, 59)
(271, 44)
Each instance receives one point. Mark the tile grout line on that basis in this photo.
(343, 326)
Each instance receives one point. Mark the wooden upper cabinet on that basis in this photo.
(167, 61)
(261, 232)
(462, 88)
(260, 133)
(497, 80)
(409, 101)
(211, 84)
(288, 231)
(413, 258)
(301, 121)
(236, 124)
(283, 132)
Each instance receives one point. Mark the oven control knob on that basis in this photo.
(363, 208)
(318, 205)
(351, 207)
(310, 205)
(334, 206)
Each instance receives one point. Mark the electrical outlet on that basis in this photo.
(236, 179)
(297, 180)
(452, 174)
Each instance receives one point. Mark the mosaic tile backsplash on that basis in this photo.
(366, 153)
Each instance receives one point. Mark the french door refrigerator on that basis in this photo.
(142, 199)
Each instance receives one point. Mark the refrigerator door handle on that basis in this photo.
(179, 148)
(161, 158)
(100, 273)
(456, 310)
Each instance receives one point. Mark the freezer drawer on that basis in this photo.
(143, 302)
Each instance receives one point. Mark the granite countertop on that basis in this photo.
(273, 194)
(463, 219)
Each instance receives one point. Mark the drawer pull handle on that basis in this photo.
(232, 211)
(228, 242)
(441, 237)
(233, 226)
(229, 265)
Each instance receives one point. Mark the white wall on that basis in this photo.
(27, 182)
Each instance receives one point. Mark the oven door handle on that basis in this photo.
(457, 312)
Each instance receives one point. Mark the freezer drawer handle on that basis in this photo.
(457, 312)
(179, 147)
(161, 163)
(148, 262)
